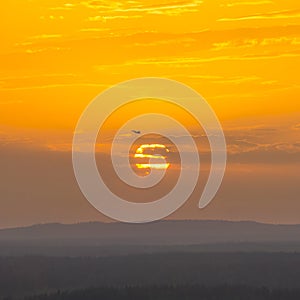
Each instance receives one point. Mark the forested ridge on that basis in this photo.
(30, 275)
(173, 293)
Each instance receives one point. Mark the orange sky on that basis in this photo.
(55, 56)
(243, 56)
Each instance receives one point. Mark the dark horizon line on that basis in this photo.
(34, 225)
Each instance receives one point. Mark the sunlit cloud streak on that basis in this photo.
(246, 3)
(283, 14)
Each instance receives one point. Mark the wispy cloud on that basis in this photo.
(39, 50)
(177, 61)
(66, 6)
(51, 86)
(179, 40)
(41, 37)
(136, 9)
(52, 17)
(129, 6)
(282, 14)
(38, 80)
(237, 79)
(245, 3)
(14, 141)
(94, 29)
(105, 17)
(260, 144)
(256, 42)
(45, 36)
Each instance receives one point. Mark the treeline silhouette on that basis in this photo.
(173, 293)
(29, 275)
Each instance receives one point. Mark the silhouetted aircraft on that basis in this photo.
(136, 131)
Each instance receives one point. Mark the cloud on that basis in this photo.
(245, 3)
(105, 18)
(280, 40)
(136, 9)
(9, 142)
(158, 8)
(51, 17)
(271, 154)
(282, 14)
(50, 86)
(241, 149)
(94, 29)
(30, 45)
(44, 81)
(246, 145)
(185, 61)
(262, 144)
(46, 49)
(198, 44)
(66, 6)
(237, 79)
(164, 42)
(45, 36)
(247, 43)
(47, 76)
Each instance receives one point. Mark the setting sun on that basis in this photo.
(149, 152)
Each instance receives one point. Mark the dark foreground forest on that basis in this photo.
(209, 260)
(213, 275)
(173, 293)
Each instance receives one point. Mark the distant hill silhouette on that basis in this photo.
(157, 233)
(107, 239)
